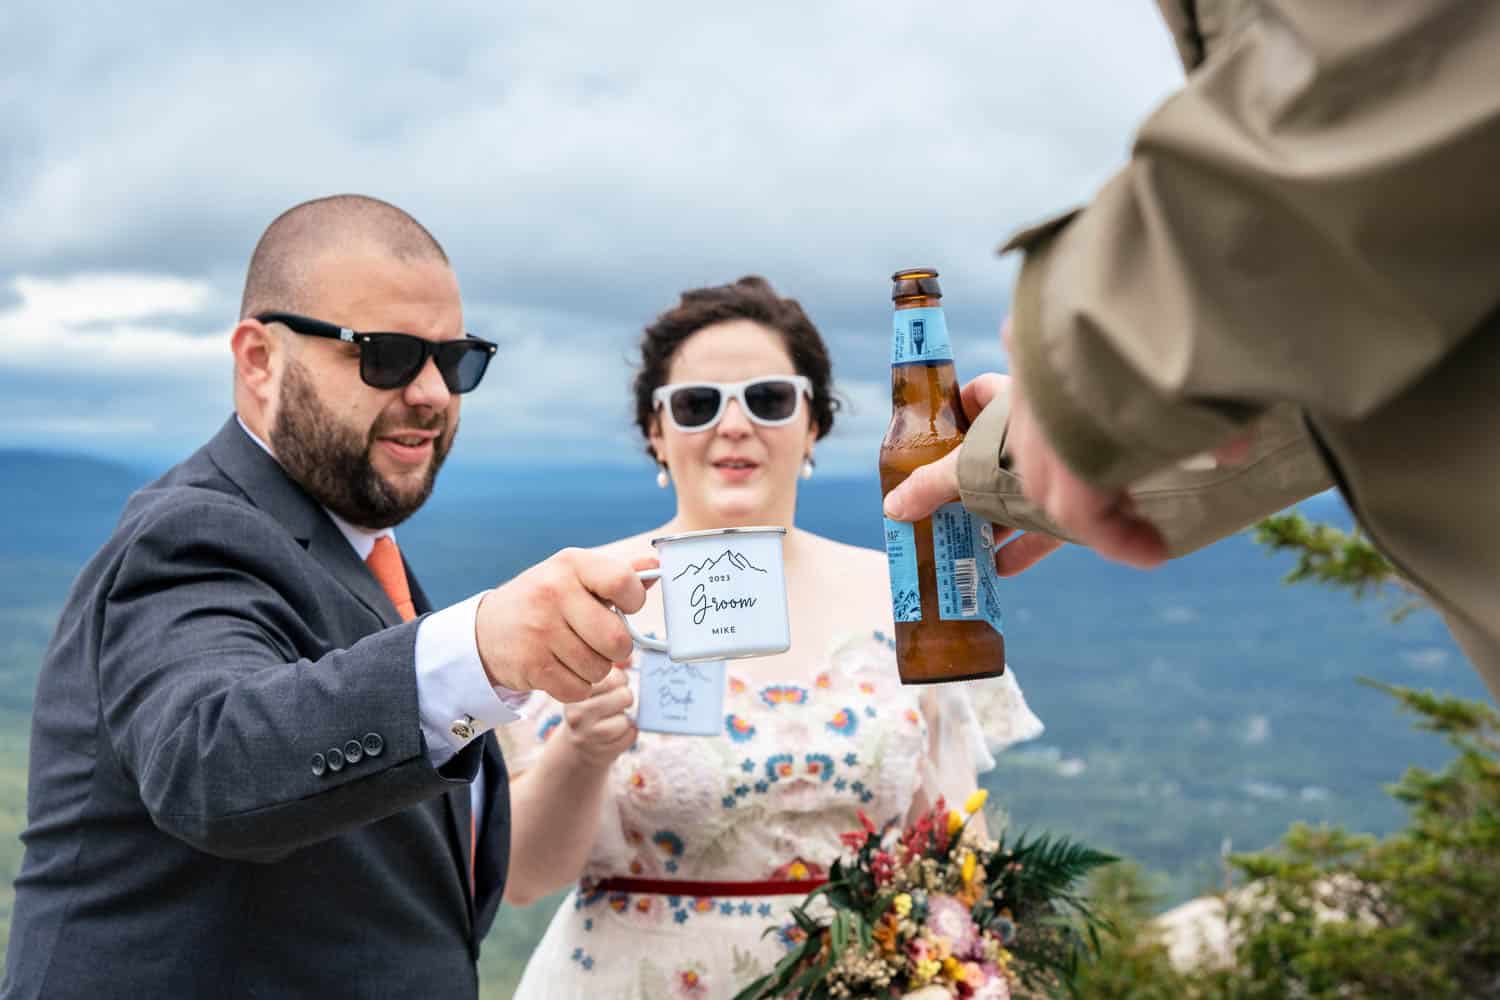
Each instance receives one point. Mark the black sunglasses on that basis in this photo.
(392, 360)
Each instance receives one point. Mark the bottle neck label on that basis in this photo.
(920, 337)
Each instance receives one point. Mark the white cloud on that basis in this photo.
(581, 163)
(97, 323)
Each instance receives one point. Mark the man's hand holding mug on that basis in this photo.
(552, 629)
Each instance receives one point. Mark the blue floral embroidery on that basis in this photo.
(748, 766)
(746, 909)
(728, 801)
(588, 924)
(779, 766)
(548, 724)
(740, 791)
(764, 910)
(839, 784)
(783, 694)
(739, 729)
(820, 765)
(791, 935)
(584, 959)
(680, 916)
(671, 867)
(850, 759)
(869, 711)
(668, 842)
(845, 722)
(762, 787)
(727, 909)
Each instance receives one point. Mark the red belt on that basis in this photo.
(683, 887)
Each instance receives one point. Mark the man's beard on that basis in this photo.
(332, 463)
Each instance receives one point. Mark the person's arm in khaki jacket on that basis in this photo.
(1192, 504)
(1311, 223)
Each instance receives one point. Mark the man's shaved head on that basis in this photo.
(281, 267)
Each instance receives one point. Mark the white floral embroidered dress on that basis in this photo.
(764, 800)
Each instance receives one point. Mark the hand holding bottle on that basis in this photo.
(931, 486)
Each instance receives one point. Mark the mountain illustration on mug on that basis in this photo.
(734, 559)
(678, 681)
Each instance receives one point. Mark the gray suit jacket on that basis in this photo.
(182, 840)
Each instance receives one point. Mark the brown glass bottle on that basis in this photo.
(927, 422)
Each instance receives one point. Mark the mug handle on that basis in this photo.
(645, 642)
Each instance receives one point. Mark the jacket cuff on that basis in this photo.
(985, 485)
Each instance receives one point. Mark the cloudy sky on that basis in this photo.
(581, 162)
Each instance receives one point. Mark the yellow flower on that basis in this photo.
(975, 802)
(955, 823)
(902, 904)
(922, 974)
(954, 969)
(797, 871)
(970, 863)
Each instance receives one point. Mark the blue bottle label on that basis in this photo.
(901, 551)
(921, 336)
(963, 548)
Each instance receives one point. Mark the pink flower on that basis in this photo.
(949, 920)
(987, 982)
(690, 983)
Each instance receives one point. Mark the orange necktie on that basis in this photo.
(384, 561)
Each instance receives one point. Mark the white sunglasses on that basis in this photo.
(771, 401)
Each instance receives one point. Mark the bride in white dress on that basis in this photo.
(683, 849)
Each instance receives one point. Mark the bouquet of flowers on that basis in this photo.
(937, 910)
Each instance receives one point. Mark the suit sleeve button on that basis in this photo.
(353, 751)
(319, 765)
(373, 744)
(335, 759)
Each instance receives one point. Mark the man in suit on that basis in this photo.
(259, 765)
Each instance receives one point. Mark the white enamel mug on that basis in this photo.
(723, 593)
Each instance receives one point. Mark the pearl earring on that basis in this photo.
(662, 478)
(807, 467)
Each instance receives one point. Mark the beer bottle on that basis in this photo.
(943, 579)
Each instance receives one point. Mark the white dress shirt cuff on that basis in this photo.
(455, 700)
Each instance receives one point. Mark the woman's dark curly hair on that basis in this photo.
(751, 298)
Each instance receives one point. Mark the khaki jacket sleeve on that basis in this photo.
(1311, 221)
(1191, 504)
